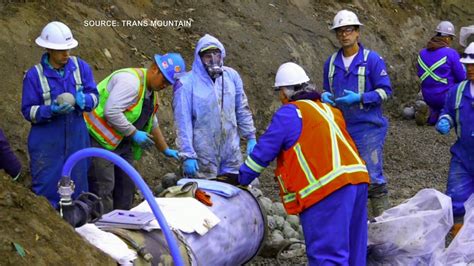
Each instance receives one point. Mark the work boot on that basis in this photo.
(379, 204)
(421, 112)
(455, 229)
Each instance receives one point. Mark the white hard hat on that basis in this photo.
(468, 56)
(464, 34)
(345, 18)
(289, 74)
(57, 36)
(445, 28)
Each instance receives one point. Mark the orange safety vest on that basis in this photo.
(323, 159)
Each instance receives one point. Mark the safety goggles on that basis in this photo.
(464, 55)
(345, 30)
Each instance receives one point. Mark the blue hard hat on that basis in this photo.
(171, 65)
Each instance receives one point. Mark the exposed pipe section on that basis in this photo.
(135, 176)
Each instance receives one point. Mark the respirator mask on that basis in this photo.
(212, 61)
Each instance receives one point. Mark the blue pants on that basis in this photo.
(460, 186)
(335, 229)
(369, 142)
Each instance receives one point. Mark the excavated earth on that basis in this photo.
(258, 36)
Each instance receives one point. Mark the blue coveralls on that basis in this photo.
(8, 160)
(335, 228)
(365, 121)
(461, 172)
(444, 71)
(208, 126)
(53, 138)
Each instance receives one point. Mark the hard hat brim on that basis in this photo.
(466, 61)
(70, 45)
(343, 25)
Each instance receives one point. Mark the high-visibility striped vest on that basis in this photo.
(98, 126)
(459, 93)
(429, 71)
(361, 73)
(47, 90)
(323, 159)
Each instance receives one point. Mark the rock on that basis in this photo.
(277, 236)
(66, 98)
(267, 205)
(294, 221)
(107, 53)
(288, 232)
(169, 180)
(271, 222)
(408, 112)
(278, 209)
(280, 221)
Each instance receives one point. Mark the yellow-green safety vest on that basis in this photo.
(102, 131)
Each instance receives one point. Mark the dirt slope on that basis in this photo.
(258, 36)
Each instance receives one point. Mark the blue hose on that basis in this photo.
(135, 176)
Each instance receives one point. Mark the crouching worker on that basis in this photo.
(125, 122)
(321, 175)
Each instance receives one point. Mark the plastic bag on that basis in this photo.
(411, 232)
(461, 249)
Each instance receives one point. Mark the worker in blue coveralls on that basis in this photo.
(210, 111)
(57, 128)
(458, 113)
(356, 82)
(438, 69)
(321, 175)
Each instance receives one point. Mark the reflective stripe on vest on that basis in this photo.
(288, 197)
(105, 134)
(459, 93)
(360, 75)
(429, 71)
(338, 169)
(45, 85)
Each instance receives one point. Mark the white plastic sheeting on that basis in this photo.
(411, 232)
(461, 249)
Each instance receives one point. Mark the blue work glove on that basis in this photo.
(80, 98)
(349, 98)
(171, 153)
(190, 167)
(443, 126)
(327, 97)
(250, 145)
(61, 109)
(143, 139)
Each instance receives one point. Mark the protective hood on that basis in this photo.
(206, 41)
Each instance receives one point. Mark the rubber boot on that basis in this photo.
(379, 204)
(421, 113)
(455, 229)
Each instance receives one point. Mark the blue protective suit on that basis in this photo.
(365, 122)
(53, 138)
(451, 72)
(208, 126)
(461, 172)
